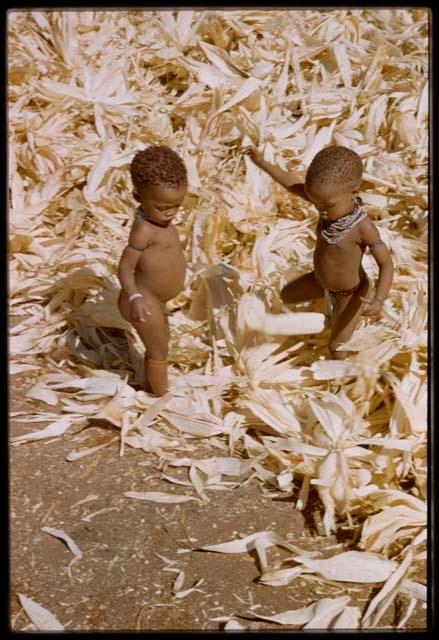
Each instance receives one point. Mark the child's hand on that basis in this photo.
(373, 306)
(256, 155)
(138, 310)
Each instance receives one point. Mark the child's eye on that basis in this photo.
(162, 209)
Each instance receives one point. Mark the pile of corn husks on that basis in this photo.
(87, 89)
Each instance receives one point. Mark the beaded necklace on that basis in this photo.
(144, 216)
(335, 230)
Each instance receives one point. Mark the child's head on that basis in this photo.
(333, 179)
(160, 184)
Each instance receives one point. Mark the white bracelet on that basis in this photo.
(134, 296)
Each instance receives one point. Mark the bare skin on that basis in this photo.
(337, 267)
(153, 265)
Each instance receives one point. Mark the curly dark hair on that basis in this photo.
(158, 165)
(335, 164)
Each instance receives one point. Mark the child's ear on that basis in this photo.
(356, 189)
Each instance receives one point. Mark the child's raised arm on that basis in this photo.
(287, 179)
(379, 250)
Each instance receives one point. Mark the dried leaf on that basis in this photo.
(179, 581)
(158, 496)
(386, 595)
(59, 533)
(41, 392)
(233, 625)
(352, 566)
(266, 538)
(318, 615)
(57, 428)
(42, 618)
(76, 455)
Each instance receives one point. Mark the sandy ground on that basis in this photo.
(121, 583)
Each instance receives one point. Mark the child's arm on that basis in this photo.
(290, 181)
(371, 237)
(137, 242)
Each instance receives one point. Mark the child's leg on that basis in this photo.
(302, 289)
(347, 315)
(154, 333)
(156, 376)
(156, 371)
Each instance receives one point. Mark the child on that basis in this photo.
(343, 232)
(152, 267)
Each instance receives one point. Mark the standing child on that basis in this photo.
(152, 267)
(343, 232)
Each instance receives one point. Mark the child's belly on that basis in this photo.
(337, 269)
(162, 271)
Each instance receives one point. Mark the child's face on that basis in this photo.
(332, 200)
(161, 203)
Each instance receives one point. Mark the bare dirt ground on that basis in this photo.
(121, 583)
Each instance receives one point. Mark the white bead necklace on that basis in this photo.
(335, 230)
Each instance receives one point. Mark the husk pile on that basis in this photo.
(89, 88)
